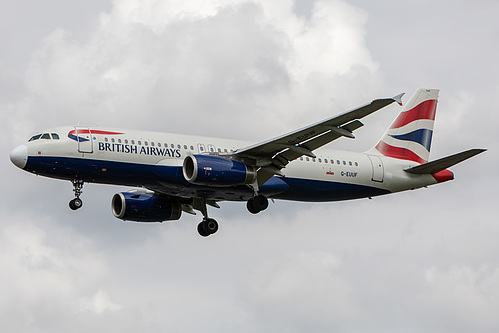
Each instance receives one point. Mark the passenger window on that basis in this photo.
(145, 143)
(178, 146)
(338, 162)
(152, 143)
(325, 160)
(45, 136)
(320, 160)
(225, 150)
(133, 142)
(219, 150)
(126, 141)
(112, 139)
(139, 143)
(172, 145)
(185, 147)
(301, 158)
(55, 136)
(356, 164)
(106, 139)
(313, 159)
(119, 140)
(159, 144)
(35, 137)
(192, 148)
(344, 163)
(350, 163)
(307, 159)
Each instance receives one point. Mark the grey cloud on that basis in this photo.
(417, 261)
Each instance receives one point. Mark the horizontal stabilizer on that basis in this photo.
(444, 163)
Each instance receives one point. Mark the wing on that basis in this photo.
(274, 154)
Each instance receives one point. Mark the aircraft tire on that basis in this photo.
(211, 226)
(201, 230)
(75, 204)
(261, 202)
(251, 207)
(257, 204)
(207, 227)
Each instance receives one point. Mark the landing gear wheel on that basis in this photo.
(207, 227)
(261, 202)
(257, 204)
(251, 207)
(75, 204)
(211, 226)
(201, 230)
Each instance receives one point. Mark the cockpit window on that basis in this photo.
(46, 136)
(35, 137)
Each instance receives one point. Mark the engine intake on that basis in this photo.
(217, 171)
(139, 207)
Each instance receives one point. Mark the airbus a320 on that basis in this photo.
(175, 173)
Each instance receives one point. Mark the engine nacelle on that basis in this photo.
(140, 207)
(217, 171)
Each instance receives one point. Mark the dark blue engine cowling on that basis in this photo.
(217, 171)
(139, 207)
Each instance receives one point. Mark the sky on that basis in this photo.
(418, 261)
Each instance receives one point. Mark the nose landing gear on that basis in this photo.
(76, 203)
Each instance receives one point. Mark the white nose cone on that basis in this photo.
(19, 156)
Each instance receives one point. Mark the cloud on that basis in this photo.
(224, 61)
(44, 274)
(416, 261)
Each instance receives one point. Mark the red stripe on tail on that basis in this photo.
(424, 110)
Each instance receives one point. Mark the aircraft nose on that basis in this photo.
(19, 156)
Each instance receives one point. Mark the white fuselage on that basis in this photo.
(154, 160)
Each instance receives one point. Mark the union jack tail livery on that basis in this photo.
(409, 137)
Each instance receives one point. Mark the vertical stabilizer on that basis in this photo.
(409, 137)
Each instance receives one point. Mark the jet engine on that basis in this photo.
(141, 207)
(217, 171)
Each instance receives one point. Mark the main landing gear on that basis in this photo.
(76, 203)
(258, 203)
(208, 226)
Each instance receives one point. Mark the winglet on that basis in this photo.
(398, 98)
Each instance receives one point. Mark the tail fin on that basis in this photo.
(409, 137)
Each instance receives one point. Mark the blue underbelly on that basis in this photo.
(317, 190)
(170, 180)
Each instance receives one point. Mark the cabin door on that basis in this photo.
(84, 139)
(378, 171)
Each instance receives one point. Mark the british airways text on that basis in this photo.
(131, 149)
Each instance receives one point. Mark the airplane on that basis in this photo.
(176, 173)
